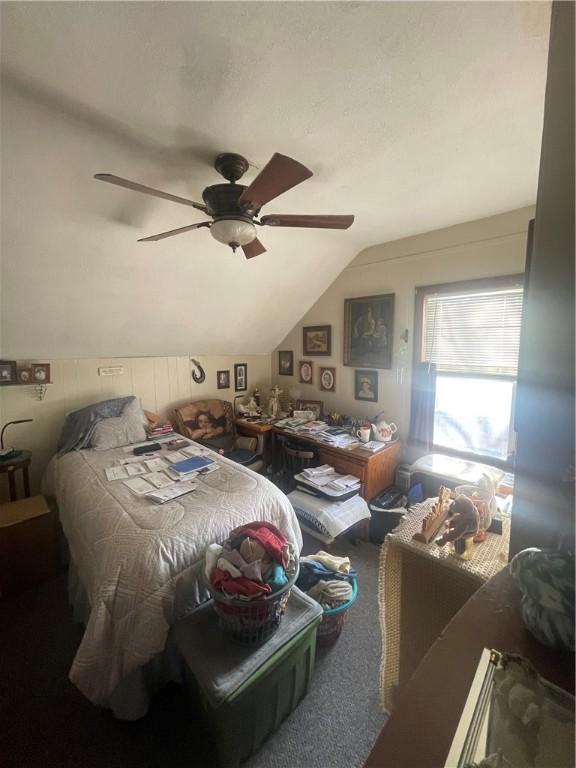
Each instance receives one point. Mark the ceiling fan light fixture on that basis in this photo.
(233, 232)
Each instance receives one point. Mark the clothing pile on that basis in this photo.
(326, 578)
(255, 561)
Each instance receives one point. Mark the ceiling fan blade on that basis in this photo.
(255, 248)
(120, 182)
(319, 222)
(280, 174)
(173, 232)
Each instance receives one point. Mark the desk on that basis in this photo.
(375, 470)
(10, 466)
(257, 430)
(419, 732)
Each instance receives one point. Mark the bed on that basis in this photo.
(135, 567)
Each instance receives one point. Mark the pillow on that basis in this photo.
(120, 430)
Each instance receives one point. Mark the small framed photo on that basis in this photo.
(223, 379)
(25, 376)
(317, 340)
(366, 386)
(40, 373)
(316, 406)
(8, 372)
(328, 379)
(241, 377)
(286, 363)
(306, 371)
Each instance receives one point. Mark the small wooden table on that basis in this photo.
(257, 429)
(419, 732)
(9, 465)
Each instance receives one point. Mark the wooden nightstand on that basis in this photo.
(10, 465)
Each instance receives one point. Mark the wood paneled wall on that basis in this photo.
(161, 383)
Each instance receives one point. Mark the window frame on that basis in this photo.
(457, 286)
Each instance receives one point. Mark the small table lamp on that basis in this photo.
(5, 452)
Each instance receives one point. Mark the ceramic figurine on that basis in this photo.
(546, 580)
(274, 401)
(462, 526)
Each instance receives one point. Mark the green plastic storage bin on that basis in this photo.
(244, 694)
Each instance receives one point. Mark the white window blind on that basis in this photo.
(473, 332)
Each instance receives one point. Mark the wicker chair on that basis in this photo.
(211, 423)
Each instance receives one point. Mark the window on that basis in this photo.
(471, 333)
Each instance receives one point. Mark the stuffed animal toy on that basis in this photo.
(462, 521)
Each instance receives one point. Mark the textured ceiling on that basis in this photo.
(413, 116)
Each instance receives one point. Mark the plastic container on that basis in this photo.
(333, 620)
(484, 502)
(252, 622)
(242, 695)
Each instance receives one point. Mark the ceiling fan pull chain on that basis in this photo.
(198, 373)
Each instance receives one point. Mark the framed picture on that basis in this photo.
(240, 377)
(40, 373)
(328, 379)
(7, 371)
(25, 376)
(306, 371)
(286, 363)
(311, 405)
(366, 386)
(223, 379)
(317, 340)
(368, 331)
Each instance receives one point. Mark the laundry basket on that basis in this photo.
(252, 622)
(333, 620)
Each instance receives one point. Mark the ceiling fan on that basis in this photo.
(234, 207)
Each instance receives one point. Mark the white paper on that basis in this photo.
(167, 494)
(156, 465)
(159, 479)
(194, 450)
(135, 469)
(138, 486)
(175, 456)
(116, 473)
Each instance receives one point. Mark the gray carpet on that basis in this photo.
(45, 722)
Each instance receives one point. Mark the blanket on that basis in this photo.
(141, 563)
(79, 425)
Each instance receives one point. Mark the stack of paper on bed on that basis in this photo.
(328, 517)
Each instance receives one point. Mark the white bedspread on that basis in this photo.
(140, 562)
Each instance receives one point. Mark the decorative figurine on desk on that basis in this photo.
(251, 408)
(274, 401)
(462, 527)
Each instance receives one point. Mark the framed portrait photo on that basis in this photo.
(366, 386)
(328, 379)
(241, 377)
(368, 331)
(223, 379)
(25, 376)
(8, 372)
(40, 373)
(306, 371)
(286, 363)
(317, 340)
(316, 406)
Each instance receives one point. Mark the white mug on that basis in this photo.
(363, 434)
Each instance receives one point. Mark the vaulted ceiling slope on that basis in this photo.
(413, 116)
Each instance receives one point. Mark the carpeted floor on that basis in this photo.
(46, 723)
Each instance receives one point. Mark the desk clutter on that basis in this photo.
(327, 503)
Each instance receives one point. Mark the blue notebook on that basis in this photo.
(191, 465)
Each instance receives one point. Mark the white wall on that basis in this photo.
(483, 248)
(161, 383)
